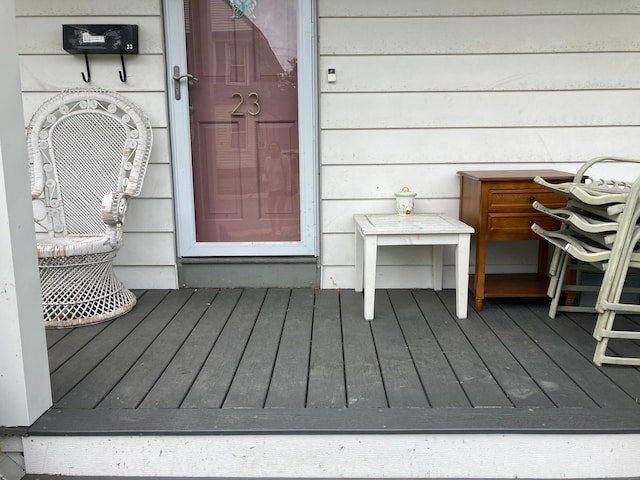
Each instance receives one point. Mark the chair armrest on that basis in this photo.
(114, 208)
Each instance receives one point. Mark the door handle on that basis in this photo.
(176, 80)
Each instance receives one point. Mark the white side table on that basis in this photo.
(434, 229)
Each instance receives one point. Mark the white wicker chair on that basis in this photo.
(88, 152)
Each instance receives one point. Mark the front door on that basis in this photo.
(247, 186)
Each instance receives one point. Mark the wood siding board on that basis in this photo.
(290, 376)
(95, 386)
(40, 73)
(149, 215)
(475, 378)
(326, 366)
(460, 73)
(72, 343)
(212, 384)
(437, 8)
(83, 362)
(570, 327)
(401, 380)
(147, 249)
(251, 381)
(176, 380)
(439, 380)
(134, 385)
(582, 108)
(464, 35)
(469, 146)
(154, 277)
(581, 371)
(33, 8)
(157, 181)
(365, 388)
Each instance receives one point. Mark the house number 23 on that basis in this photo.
(254, 107)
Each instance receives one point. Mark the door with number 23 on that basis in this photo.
(244, 120)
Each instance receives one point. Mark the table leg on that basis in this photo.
(370, 260)
(359, 250)
(462, 274)
(438, 260)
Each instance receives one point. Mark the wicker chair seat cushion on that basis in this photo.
(74, 245)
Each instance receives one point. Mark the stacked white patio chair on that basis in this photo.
(600, 232)
(88, 153)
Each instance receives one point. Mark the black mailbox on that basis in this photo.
(118, 39)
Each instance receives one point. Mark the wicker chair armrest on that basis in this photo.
(114, 208)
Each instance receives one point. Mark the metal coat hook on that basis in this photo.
(123, 72)
(87, 79)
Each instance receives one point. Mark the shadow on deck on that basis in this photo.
(304, 360)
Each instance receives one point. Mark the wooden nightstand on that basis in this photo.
(497, 204)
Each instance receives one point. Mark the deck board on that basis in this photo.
(587, 376)
(403, 384)
(108, 374)
(438, 378)
(547, 375)
(172, 387)
(290, 376)
(472, 373)
(72, 372)
(326, 365)
(365, 387)
(212, 384)
(509, 372)
(133, 387)
(251, 381)
(296, 354)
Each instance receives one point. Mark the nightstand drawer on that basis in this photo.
(520, 200)
(517, 226)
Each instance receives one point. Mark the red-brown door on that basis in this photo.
(244, 120)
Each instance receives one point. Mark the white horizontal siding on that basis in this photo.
(426, 88)
(149, 215)
(44, 8)
(145, 249)
(385, 8)
(342, 182)
(453, 35)
(485, 146)
(495, 72)
(480, 109)
(148, 258)
(148, 277)
(57, 72)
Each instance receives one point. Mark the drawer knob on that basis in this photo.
(532, 199)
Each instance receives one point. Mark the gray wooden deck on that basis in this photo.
(280, 360)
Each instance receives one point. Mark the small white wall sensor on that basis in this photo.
(331, 75)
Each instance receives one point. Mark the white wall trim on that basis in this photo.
(339, 456)
(25, 388)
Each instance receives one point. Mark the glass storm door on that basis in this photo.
(243, 105)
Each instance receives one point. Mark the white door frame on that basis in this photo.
(175, 42)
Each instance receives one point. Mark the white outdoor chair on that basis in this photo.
(601, 231)
(88, 152)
